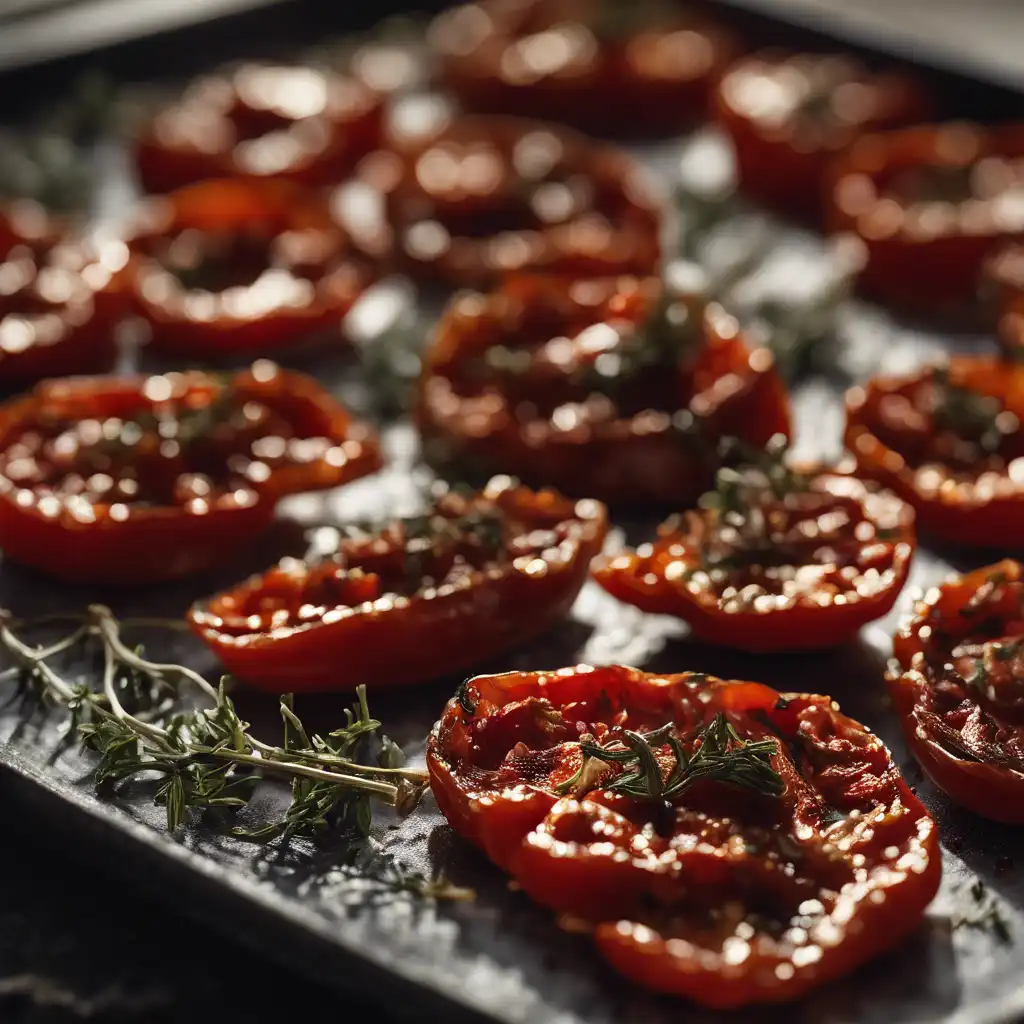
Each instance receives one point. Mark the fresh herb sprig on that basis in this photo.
(717, 753)
(207, 758)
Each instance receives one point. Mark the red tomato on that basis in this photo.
(140, 479)
(412, 600)
(775, 847)
(616, 389)
(948, 440)
(225, 268)
(930, 204)
(263, 121)
(478, 198)
(790, 115)
(774, 561)
(57, 308)
(638, 69)
(960, 695)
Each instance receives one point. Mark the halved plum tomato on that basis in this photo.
(300, 124)
(645, 68)
(930, 204)
(469, 201)
(775, 559)
(723, 841)
(959, 689)
(412, 599)
(789, 115)
(57, 311)
(228, 268)
(948, 440)
(616, 389)
(132, 480)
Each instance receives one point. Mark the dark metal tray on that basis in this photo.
(500, 958)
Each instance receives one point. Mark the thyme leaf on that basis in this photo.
(717, 753)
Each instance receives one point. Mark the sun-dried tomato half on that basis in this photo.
(644, 68)
(412, 599)
(228, 268)
(930, 204)
(617, 389)
(948, 440)
(723, 841)
(301, 124)
(478, 198)
(959, 690)
(57, 311)
(774, 559)
(140, 479)
(789, 115)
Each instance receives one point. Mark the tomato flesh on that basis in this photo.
(411, 600)
(292, 123)
(946, 440)
(639, 69)
(726, 896)
(129, 480)
(960, 691)
(931, 204)
(799, 572)
(225, 268)
(478, 198)
(593, 388)
(789, 115)
(57, 307)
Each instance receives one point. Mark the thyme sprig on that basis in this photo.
(717, 753)
(206, 757)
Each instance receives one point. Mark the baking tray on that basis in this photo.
(500, 958)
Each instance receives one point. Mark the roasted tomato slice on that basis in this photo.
(616, 389)
(263, 121)
(139, 479)
(57, 308)
(723, 841)
(478, 198)
(774, 560)
(645, 68)
(789, 115)
(225, 268)
(959, 689)
(948, 440)
(413, 599)
(930, 204)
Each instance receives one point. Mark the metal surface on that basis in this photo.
(980, 38)
(500, 958)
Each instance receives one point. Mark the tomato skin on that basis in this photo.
(263, 213)
(656, 901)
(804, 623)
(435, 228)
(148, 544)
(967, 515)
(86, 314)
(783, 156)
(389, 641)
(622, 457)
(653, 81)
(923, 647)
(921, 262)
(206, 134)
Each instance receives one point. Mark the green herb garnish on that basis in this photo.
(717, 753)
(207, 757)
